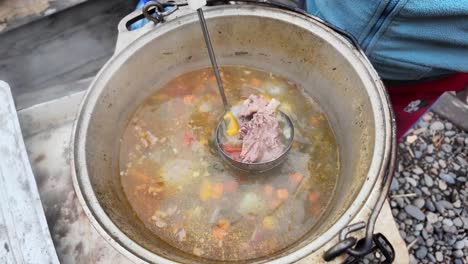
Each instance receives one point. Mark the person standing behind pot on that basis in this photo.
(406, 40)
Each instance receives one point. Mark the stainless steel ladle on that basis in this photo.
(249, 167)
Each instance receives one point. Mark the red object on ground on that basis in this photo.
(410, 102)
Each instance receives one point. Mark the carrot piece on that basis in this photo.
(220, 230)
(217, 190)
(282, 194)
(295, 177)
(219, 233)
(313, 197)
(188, 138)
(231, 186)
(232, 148)
(188, 99)
(223, 223)
(235, 156)
(254, 82)
(268, 189)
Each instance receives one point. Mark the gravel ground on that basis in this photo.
(429, 194)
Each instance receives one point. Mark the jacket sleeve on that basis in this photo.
(404, 39)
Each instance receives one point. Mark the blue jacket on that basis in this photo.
(404, 39)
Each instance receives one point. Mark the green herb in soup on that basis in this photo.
(185, 194)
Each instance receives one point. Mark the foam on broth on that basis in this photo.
(184, 193)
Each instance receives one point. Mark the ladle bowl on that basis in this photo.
(257, 167)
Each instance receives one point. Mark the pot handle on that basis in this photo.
(125, 35)
(371, 242)
(153, 11)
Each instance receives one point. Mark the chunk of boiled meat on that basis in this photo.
(260, 135)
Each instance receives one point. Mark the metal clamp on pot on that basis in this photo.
(371, 243)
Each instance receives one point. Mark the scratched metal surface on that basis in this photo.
(47, 128)
(24, 236)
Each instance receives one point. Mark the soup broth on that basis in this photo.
(185, 194)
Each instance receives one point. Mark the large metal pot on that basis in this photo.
(325, 64)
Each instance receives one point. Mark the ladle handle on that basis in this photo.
(197, 5)
(211, 53)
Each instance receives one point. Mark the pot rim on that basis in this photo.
(383, 123)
